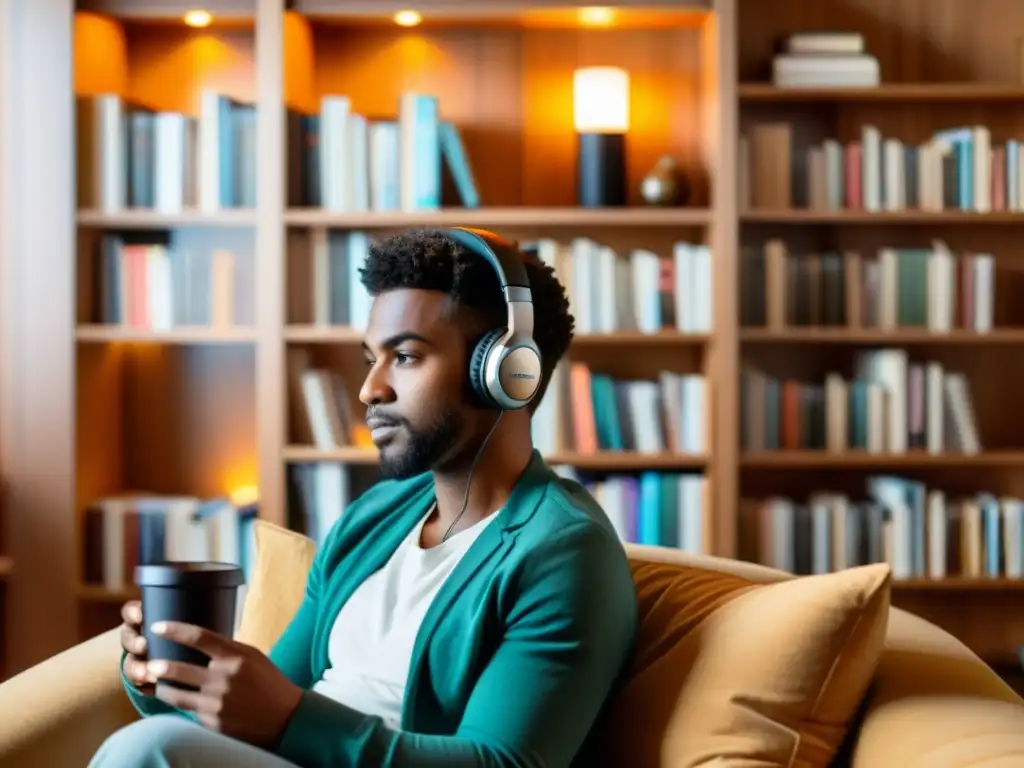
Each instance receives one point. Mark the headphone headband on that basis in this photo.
(508, 265)
(502, 255)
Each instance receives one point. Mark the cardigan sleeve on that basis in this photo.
(568, 635)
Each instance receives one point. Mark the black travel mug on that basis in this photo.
(200, 593)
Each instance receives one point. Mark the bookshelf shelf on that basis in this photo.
(811, 459)
(93, 593)
(139, 219)
(610, 461)
(344, 454)
(548, 218)
(225, 12)
(314, 334)
(933, 218)
(319, 334)
(802, 335)
(964, 93)
(601, 462)
(506, 13)
(636, 338)
(106, 334)
(959, 584)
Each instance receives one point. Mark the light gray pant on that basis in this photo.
(171, 741)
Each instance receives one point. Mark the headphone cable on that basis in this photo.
(469, 480)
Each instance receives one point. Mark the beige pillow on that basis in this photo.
(277, 586)
(729, 672)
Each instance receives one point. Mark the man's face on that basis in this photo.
(416, 355)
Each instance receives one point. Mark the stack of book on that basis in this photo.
(824, 60)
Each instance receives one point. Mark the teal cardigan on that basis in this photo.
(516, 655)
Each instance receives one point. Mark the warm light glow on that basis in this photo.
(600, 100)
(407, 18)
(198, 18)
(244, 494)
(597, 16)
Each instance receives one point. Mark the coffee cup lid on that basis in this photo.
(204, 575)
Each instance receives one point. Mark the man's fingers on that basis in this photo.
(203, 640)
(136, 672)
(132, 641)
(177, 697)
(178, 671)
(131, 612)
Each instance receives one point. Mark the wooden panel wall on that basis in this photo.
(38, 304)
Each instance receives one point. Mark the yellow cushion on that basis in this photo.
(736, 673)
(277, 584)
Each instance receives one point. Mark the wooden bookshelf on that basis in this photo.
(207, 410)
(934, 78)
(203, 409)
(522, 155)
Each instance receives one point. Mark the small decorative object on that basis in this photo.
(664, 184)
(601, 117)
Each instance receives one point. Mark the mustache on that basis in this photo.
(385, 419)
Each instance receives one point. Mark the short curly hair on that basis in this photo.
(428, 259)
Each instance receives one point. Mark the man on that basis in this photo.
(474, 609)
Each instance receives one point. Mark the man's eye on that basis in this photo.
(403, 358)
(369, 363)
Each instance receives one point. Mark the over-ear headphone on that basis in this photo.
(504, 366)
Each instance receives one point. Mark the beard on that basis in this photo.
(424, 448)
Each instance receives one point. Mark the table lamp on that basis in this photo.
(601, 118)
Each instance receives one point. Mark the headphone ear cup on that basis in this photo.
(477, 367)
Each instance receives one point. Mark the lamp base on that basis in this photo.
(601, 169)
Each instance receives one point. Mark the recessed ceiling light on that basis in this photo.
(407, 18)
(597, 16)
(198, 18)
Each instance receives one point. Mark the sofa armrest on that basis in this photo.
(59, 711)
(935, 704)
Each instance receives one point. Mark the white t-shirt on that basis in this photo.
(371, 643)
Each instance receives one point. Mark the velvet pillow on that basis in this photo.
(731, 672)
(277, 584)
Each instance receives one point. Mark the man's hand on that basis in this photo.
(240, 694)
(135, 645)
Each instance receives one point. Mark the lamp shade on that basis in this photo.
(601, 100)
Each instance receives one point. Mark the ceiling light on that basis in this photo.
(407, 18)
(597, 16)
(198, 18)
